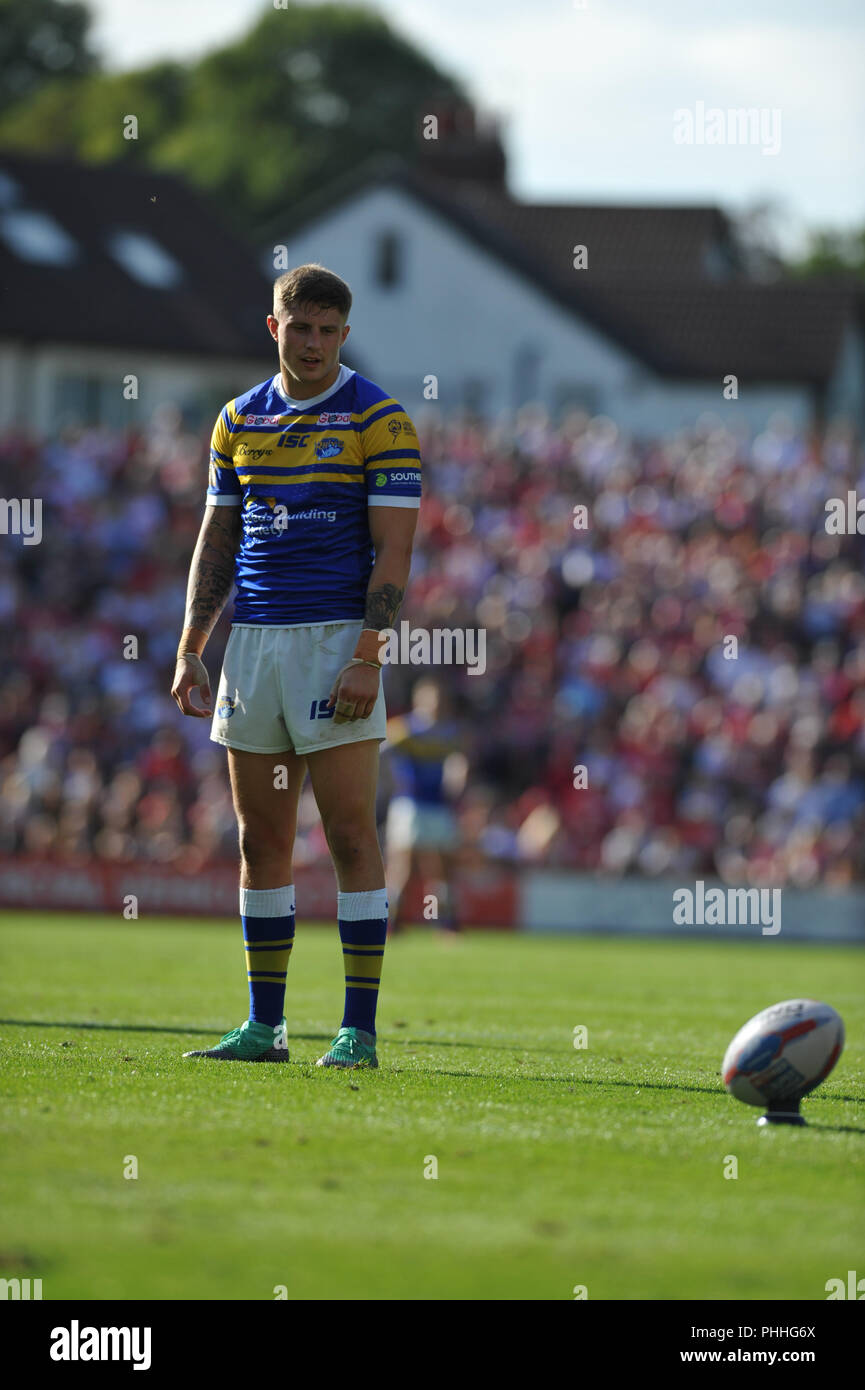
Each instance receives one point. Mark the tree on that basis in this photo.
(760, 235)
(41, 40)
(833, 253)
(759, 232)
(84, 117)
(305, 95)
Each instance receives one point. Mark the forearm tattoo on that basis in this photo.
(212, 571)
(382, 606)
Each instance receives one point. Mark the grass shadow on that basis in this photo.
(572, 1081)
(639, 1085)
(207, 1032)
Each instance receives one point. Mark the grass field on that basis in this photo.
(602, 1167)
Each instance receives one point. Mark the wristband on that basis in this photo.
(196, 635)
(355, 661)
(367, 649)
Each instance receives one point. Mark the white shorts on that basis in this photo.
(275, 685)
(411, 825)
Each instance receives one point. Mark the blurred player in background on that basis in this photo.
(427, 768)
(311, 509)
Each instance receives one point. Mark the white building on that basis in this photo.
(121, 292)
(457, 284)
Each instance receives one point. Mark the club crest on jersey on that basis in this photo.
(329, 418)
(328, 447)
(225, 708)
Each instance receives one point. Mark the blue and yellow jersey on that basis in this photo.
(417, 752)
(304, 474)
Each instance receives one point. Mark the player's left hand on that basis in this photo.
(354, 694)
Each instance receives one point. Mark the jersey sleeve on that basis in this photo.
(391, 457)
(223, 489)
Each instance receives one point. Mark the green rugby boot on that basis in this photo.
(351, 1047)
(252, 1042)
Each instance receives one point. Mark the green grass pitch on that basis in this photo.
(602, 1167)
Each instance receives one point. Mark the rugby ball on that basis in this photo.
(783, 1053)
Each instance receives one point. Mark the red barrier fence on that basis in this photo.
(487, 897)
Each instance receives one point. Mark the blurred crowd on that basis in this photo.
(689, 651)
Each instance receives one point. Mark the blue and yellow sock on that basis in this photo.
(362, 930)
(268, 935)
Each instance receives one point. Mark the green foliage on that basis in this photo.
(556, 1167)
(41, 40)
(833, 253)
(85, 117)
(304, 96)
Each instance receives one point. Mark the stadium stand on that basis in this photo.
(605, 648)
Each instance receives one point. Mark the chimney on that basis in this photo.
(467, 147)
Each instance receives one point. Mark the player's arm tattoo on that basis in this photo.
(211, 573)
(382, 606)
(392, 531)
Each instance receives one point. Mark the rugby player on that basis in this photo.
(428, 771)
(311, 510)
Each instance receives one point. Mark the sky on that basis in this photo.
(606, 100)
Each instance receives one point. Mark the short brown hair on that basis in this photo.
(311, 284)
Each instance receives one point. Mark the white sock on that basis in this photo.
(267, 902)
(362, 907)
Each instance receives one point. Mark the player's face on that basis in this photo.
(309, 340)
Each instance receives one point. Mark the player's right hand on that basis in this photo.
(190, 674)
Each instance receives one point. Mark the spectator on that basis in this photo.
(609, 647)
